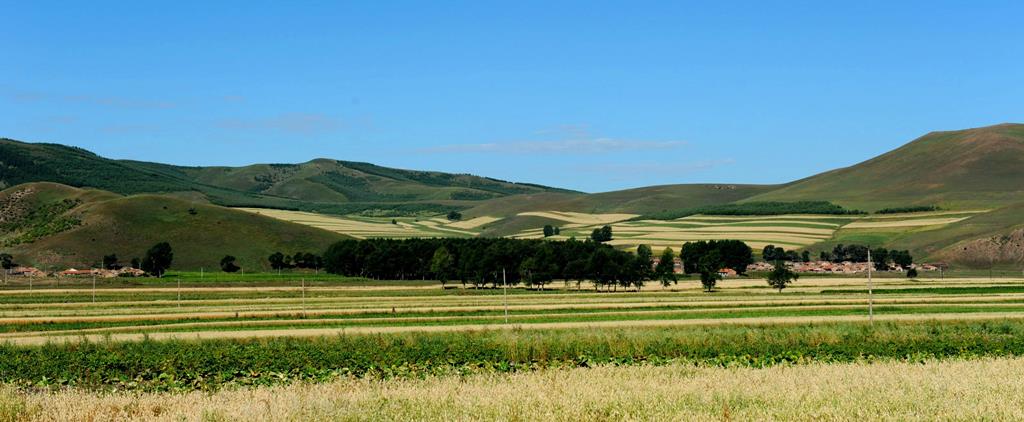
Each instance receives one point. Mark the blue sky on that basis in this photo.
(587, 95)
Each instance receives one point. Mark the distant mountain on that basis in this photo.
(973, 168)
(319, 185)
(56, 226)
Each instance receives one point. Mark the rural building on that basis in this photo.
(27, 272)
(727, 272)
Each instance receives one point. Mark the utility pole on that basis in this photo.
(871, 299)
(504, 284)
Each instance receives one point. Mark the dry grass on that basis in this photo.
(474, 222)
(987, 389)
(579, 217)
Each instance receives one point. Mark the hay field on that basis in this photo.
(795, 231)
(789, 231)
(125, 314)
(371, 227)
(985, 389)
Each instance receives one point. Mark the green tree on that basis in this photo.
(110, 262)
(454, 215)
(880, 257)
(806, 256)
(227, 264)
(901, 258)
(158, 259)
(442, 265)
(666, 268)
(644, 262)
(278, 261)
(548, 230)
(912, 273)
(602, 234)
(781, 276)
(709, 265)
(7, 261)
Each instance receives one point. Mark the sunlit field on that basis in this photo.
(986, 389)
(787, 231)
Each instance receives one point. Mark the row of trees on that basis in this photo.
(775, 253)
(709, 257)
(881, 257)
(306, 260)
(483, 261)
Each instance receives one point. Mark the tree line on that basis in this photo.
(495, 261)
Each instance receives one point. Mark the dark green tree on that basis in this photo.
(880, 257)
(110, 262)
(781, 276)
(902, 258)
(442, 265)
(548, 230)
(666, 268)
(709, 265)
(806, 256)
(912, 273)
(454, 215)
(278, 261)
(158, 259)
(7, 261)
(227, 264)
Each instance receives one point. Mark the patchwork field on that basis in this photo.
(788, 231)
(366, 227)
(354, 350)
(77, 312)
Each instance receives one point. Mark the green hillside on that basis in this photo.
(964, 169)
(322, 185)
(55, 226)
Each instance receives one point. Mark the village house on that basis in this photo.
(27, 272)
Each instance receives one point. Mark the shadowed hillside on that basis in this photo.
(53, 226)
(320, 185)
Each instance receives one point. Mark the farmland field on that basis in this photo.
(787, 231)
(356, 349)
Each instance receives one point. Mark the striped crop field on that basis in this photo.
(788, 231)
(347, 351)
(80, 313)
(361, 227)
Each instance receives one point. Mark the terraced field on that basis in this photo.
(788, 231)
(79, 313)
(366, 227)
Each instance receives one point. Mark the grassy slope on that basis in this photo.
(973, 168)
(324, 185)
(129, 225)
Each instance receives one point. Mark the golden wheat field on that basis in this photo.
(985, 389)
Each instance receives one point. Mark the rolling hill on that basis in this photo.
(55, 226)
(964, 169)
(978, 173)
(319, 185)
